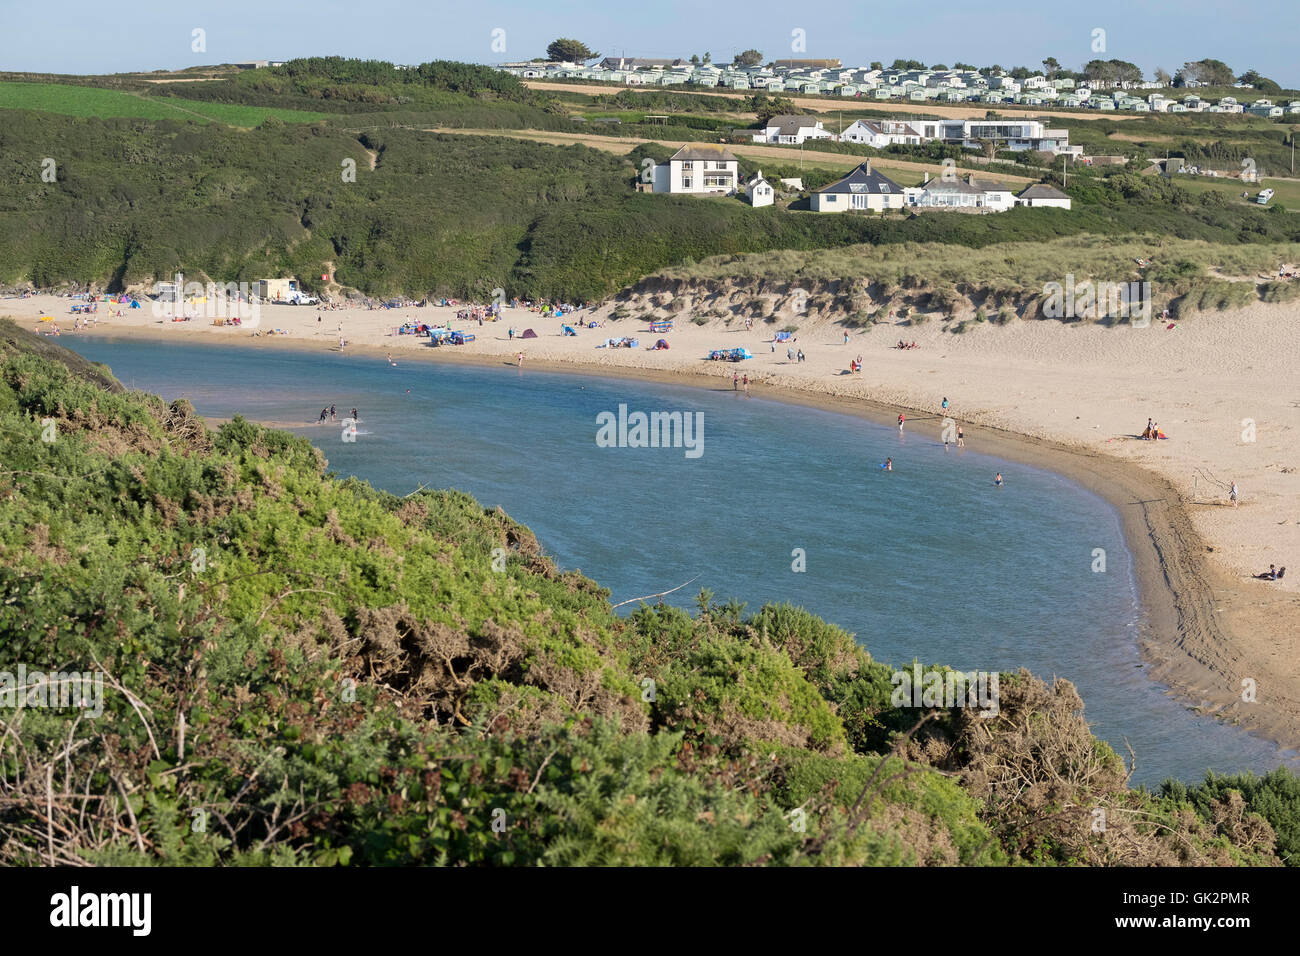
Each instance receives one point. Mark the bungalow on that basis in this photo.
(1040, 194)
(862, 189)
(792, 130)
(698, 168)
(956, 194)
(759, 191)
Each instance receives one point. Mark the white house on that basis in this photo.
(698, 168)
(863, 189)
(792, 130)
(972, 193)
(1040, 194)
(880, 133)
(759, 190)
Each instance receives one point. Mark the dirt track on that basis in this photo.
(625, 144)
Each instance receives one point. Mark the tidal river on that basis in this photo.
(766, 502)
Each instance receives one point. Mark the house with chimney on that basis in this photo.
(698, 169)
(863, 190)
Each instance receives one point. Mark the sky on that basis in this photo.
(95, 36)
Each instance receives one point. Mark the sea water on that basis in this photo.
(930, 560)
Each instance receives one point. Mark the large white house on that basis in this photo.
(1015, 134)
(698, 168)
(792, 130)
(880, 133)
(864, 189)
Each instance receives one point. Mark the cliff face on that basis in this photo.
(274, 667)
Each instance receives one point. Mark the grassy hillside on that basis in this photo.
(299, 670)
(88, 101)
(137, 199)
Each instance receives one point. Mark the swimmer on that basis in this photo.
(998, 479)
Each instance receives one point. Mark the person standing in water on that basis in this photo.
(997, 480)
(520, 360)
(333, 411)
(889, 464)
(961, 438)
(745, 382)
(901, 418)
(735, 381)
(356, 417)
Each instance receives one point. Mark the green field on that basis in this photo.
(87, 101)
(1285, 191)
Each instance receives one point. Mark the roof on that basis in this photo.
(797, 122)
(864, 179)
(1042, 191)
(950, 186)
(705, 151)
(990, 185)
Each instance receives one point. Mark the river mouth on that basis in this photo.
(762, 501)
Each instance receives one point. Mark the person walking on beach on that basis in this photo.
(945, 403)
(961, 438)
(1233, 494)
(511, 334)
(520, 360)
(800, 355)
(846, 338)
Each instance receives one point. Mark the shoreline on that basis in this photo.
(1196, 614)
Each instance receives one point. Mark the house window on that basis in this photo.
(687, 164)
(688, 182)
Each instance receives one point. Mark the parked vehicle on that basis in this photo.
(1264, 196)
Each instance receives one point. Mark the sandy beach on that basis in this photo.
(1074, 398)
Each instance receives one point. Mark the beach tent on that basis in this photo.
(135, 304)
(528, 334)
(567, 330)
(783, 337)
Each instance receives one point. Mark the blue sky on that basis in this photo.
(100, 36)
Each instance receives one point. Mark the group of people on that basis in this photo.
(330, 411)
(855, 365)
(905, 345)
(737, 380)
(1152, 432)
(794, 355)
(1272, 574)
